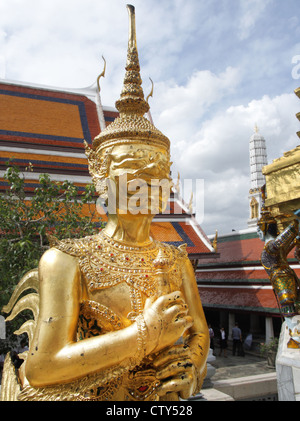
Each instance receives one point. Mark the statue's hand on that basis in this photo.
(176, 371)
(166, 320)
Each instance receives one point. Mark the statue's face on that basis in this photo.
(141, 175)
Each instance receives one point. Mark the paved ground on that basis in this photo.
(234, 366)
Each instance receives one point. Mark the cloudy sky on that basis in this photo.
(219, 67)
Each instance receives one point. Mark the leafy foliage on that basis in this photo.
(55, 208)
(271, 346)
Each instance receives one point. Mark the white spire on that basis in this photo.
(258, 159)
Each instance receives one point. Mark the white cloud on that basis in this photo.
(179, 109)
(251, 11)
(219, 154)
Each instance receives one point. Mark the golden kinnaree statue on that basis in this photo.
(117, 315)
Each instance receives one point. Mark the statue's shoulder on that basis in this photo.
(76, 247)
(178, 252)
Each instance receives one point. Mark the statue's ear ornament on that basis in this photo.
(98, 165)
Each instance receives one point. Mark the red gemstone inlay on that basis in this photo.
(142, 388)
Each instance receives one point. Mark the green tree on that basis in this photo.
(55, 208)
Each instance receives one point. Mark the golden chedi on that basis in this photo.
(282, 188)
(117, 315)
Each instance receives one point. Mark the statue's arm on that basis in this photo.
(54, 355)
(285, 239)
(197, 335)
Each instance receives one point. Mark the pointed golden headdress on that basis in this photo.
(131, 126)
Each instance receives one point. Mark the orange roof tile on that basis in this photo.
(259, 299)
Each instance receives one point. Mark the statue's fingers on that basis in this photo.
(177, 310)
(174, 369)
(174, 353)
(182, 383)
(168, 300)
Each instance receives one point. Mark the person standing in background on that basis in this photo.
(223, 342)
(211, 337)
(237, 339)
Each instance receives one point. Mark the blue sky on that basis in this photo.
(219, 68)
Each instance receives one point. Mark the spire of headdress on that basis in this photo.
(131, 125)
(132, 95)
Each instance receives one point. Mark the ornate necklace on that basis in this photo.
(106, 263)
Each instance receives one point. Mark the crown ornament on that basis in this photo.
(131, 126)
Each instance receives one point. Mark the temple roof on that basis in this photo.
(44, 128)
(237, 279)
(238, 248)
(260, 299)
(178, 225)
